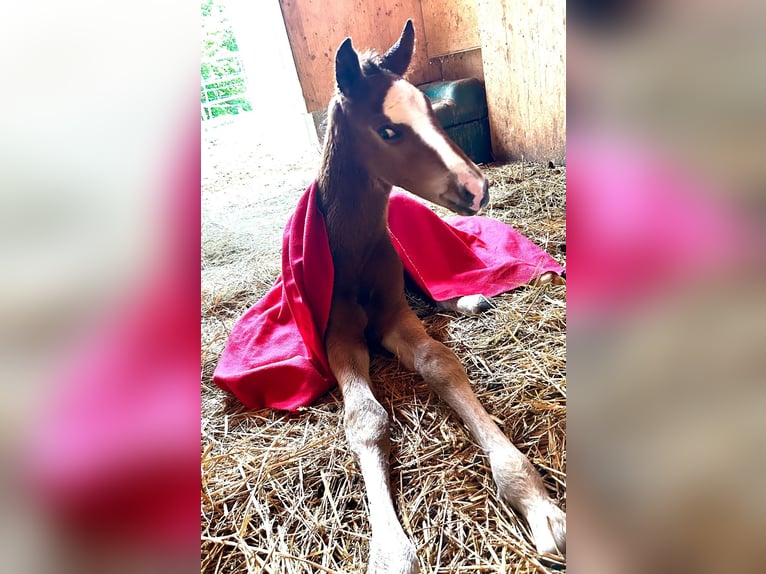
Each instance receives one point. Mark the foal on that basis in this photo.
(382, 132)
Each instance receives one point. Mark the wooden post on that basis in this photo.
(523, 46)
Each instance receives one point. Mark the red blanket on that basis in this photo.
(275, 354)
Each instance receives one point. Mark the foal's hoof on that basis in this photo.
(548, 524)
(393, 559)
(468, 305)
(548, 278)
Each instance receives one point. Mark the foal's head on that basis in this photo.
(395, 133)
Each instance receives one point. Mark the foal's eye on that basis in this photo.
(388, 133)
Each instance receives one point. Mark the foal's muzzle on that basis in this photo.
(472, 200)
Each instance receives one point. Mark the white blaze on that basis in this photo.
(405, 104)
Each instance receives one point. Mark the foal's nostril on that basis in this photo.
(465, 194)
(485, 197)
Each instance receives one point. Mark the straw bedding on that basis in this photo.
(281, 493)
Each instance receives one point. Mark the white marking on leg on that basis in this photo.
(468, 305)
(548, 525)
(366, 422)
(390, 549)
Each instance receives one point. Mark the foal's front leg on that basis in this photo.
(367, 430)
(517, 480)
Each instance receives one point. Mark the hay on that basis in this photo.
(282, 494)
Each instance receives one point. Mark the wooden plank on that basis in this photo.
(523, 46)
(451, 26)
(462, 65)
(316, 28)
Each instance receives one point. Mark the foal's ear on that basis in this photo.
(348, 73)
(398, 57)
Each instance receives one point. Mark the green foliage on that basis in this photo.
(221, 70)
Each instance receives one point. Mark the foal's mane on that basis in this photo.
(370, 62)
(341, 175)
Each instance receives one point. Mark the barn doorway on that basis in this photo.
(251, 100)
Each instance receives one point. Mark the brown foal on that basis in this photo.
(382, 132)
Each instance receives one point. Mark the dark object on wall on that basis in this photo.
(461, 108)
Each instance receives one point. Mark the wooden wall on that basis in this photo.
(317, 27)
(452, 38)
(523, 45)
(461, 65)
(517, 47)
(450, 26)
(446, 34)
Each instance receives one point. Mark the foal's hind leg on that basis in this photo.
(475, 304)
(467, 305)
(517, 480)
(367, 431)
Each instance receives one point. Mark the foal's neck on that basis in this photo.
(353, 202)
